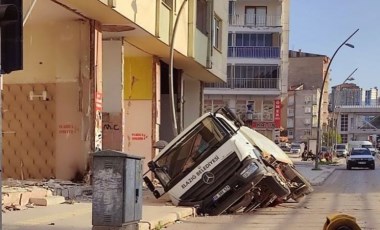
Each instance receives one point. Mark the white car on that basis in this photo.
(360, 157)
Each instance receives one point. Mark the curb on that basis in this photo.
(169, 218)
(323, 177)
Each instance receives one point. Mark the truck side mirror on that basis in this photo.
(160, 144)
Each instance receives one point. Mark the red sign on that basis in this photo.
(139, 136)
(277, 113)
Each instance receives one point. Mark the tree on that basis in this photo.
(330, 137)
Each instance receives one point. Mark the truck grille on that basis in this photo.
(222, 172)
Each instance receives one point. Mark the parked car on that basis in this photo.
(360, 157)
(285, 146)
(341, 150)
(296, 148)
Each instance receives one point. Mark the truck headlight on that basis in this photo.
(247, 171)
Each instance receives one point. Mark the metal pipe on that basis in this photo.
(316, 167)
(171, 87)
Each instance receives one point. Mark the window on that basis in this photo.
(344, 122)
(290, 132)
(256, 15)
(290, 122)
(169, 3)
(251, 106)
(253, 71)
(307, 132)
(256, 39)
(290, 112)
(191, 149)
(307, 121)
(307, 99)
(202, 16)
(217, 33)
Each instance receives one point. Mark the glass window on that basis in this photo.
(260, 40)
(252, 40)
(344, 122)
(246, 40)
(191, 149)
(239, 39)
(217, 36)
(202, 16)
(229, 39)
(169, 3)
(268, 40)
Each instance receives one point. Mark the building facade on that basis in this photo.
(97, 76)
(371, 96)
(306, 72)
(302, 114)
(257, 66)
(346, 94)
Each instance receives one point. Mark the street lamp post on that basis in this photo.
(171, 84)
(349, 78)
(316, 167)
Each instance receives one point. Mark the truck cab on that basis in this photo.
(212, 166)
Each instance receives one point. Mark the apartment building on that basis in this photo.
(306, 73)
(257, 69)
(371, 96)
(97, 76)
(346, 94)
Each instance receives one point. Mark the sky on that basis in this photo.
(320, 26)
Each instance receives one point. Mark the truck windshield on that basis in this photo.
(367, 146)
(190, 150)
(295, 146)
(340, 147)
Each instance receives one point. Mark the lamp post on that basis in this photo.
(316, 167)
(171, 87)
(349, 78)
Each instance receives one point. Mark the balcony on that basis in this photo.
(254, 52)
(254, 20)
(247, 83)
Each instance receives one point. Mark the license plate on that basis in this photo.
(362, 163)
(221, 192)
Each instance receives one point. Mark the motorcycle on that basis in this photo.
(306, 155)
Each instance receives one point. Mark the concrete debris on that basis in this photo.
(28, 193)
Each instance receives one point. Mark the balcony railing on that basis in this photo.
(247, 83)
(254, 52)
(254, 20)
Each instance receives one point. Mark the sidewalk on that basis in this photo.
(78, 216)
(156, 213)
(315, 177)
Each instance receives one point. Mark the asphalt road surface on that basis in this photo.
(354, 192)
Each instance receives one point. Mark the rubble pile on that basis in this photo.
(19, 195)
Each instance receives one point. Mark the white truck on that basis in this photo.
(362, 144)
(212, 165)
